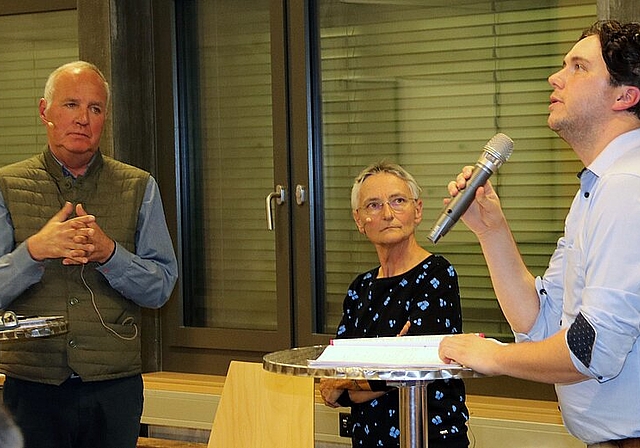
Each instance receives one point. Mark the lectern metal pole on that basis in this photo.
(413, 414)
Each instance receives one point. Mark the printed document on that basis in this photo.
(385, 352)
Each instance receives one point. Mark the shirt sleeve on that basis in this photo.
(602, 270)
(18, 270)
(146, 277)
(610, 298)
(550, 294)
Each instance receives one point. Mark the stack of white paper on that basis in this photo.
(387, 352)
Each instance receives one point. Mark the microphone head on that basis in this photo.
(368, 220)
(50, 124)
(499, 148)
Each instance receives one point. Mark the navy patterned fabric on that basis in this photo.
(580, 337)
(428, 296)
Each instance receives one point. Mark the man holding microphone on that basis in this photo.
(577, 326)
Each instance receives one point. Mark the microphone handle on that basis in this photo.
(460, 203)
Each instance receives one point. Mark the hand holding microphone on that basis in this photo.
(495, 153)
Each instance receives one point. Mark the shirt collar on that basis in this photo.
(65, 170)
(587, 180)
(614, 150)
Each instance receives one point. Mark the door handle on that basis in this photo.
(279, 196)
(301, 194)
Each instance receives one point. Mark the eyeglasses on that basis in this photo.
(398, 204)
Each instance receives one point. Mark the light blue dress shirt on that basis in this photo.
(592, 287)
(146, 277)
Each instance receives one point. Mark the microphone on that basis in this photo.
(368, 220)
(50, 124)
(496, 152)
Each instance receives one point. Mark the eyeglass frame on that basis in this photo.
(401, 208)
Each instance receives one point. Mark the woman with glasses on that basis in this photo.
(411, 292)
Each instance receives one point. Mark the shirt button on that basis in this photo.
(73, 301)
(72, 343)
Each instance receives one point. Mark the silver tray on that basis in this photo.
(295, 362)
(35, 327)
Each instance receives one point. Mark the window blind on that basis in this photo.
(31, 46)
(426, 85)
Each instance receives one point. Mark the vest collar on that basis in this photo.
(59, 172)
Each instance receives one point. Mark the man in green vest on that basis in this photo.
(81, 236)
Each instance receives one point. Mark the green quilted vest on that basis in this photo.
(34, 190)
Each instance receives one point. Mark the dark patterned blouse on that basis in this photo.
(428, 296)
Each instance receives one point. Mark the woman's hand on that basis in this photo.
(362, 396)
(331, 389)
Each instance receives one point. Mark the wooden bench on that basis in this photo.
(499, 408)
(150, 442)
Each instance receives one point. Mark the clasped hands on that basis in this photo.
(331, 390)
(359, 391)
(77, 240)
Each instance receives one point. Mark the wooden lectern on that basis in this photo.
(261, 409)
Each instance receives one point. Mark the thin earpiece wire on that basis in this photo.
(95, 307)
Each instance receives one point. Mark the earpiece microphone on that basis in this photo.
(368, 220)
(50, 124)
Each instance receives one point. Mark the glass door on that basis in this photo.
(233, 180)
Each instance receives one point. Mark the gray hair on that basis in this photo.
(50, 85)
(383, 167)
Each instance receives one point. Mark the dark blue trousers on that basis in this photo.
(98, 414)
